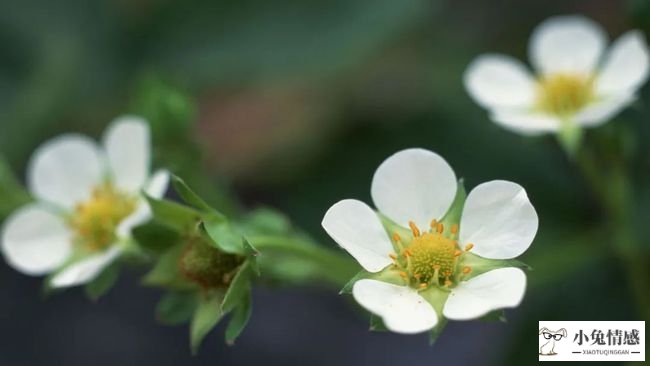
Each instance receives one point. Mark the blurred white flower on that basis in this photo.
(415, 188)
(577, 83)
(88, 198)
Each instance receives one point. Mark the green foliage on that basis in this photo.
(178, 217)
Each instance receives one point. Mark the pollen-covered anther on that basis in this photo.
(393, 256)
(403, 274)
(448, 283)
(440, 228)
(434, 224)
(454, 229)
(457, 253)
(423, 285)
(469, 247)
(467, 270)
(414, 229)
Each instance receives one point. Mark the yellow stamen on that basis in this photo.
(414, 229)
(469, 247)
(440, 228)
(454, 228)
(467, 270)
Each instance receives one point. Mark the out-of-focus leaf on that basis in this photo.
(12, 193)
(176, 307)
(495, 316)
(206, 316)
(265, 221)
(267, 40)
(240, 317)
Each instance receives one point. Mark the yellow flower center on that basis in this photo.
(431, 258)
(95, 221)
(564, 94)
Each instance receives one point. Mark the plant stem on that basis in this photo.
(613, 189)
(300, 260)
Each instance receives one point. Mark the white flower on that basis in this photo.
(576, 81)
(87, 200)
(415, 189)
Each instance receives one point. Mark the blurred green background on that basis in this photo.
(296, 104)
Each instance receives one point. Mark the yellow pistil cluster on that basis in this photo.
(564, 94)
(431, 258)
(95, 221)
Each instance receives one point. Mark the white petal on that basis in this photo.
(567, 44)
(499, 81)
(85, 270)
(141, 215)
(497, 289)
(35, 241)
(127, 143)
(499, 220)
(65, 170)
(357, 229)
(400, 307)
(626, 65)
(602, 111)
(414, 185)
(525, 122)
(158, 184)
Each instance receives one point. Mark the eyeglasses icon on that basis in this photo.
(557, 337)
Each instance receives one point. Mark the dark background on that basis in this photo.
(297, 104)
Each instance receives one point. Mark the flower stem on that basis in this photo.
(612, 187)
(299, 260)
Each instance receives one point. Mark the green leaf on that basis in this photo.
(224, 236)
(174, 215)
(176, 307)
(166, 272)
(12, 193)
(206, 316)
(238, 289)
(193, 199)
(155, 236)
(102, 283)
(240, 317)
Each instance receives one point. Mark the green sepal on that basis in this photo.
(377, 324)
(455, 211)
(155, 236)
(392, 227)
(179, 217)
(206, 316)
(436, 331)
(239, 319)
(482, 265)
(251, 253)
(570, 137)
(176, 307)
(495, 316)
(347, 289)
(102, 283)
(223, 236)
(387, 275)
(166, 272)
(239, 288)
(191, 198)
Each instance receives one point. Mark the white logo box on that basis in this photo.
(591, 341)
